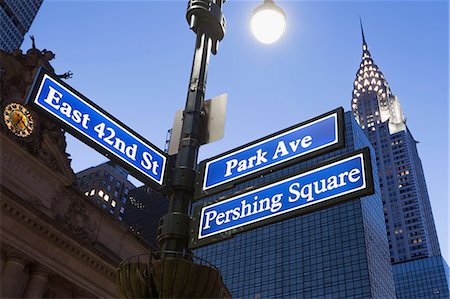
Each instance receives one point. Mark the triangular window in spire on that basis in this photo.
(366, 75)
(366, 82)
(366, 69)
(376, 88)
(377, 75)
(371, 74)
(370, 88)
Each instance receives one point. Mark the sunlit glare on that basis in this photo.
(268, 25)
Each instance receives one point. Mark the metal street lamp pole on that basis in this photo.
(172, 272)
(207, 21)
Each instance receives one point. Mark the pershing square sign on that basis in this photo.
(94, 126)
(338, 180)
(313, 137)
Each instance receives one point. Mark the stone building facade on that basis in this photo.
(54, 242)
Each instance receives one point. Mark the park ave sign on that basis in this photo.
(303, 141)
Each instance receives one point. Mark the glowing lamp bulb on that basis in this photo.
(268, 22)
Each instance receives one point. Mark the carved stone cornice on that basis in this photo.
(57, 237)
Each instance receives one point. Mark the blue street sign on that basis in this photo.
(96, 127)
(321, 133)
(334, 182)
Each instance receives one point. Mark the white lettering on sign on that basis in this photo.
(54, 97)
(274, 203)
(148, 163)
(243, 165)
(105, 133)
(237, 166)
(307, 191)
(283, 150)
(98, 129)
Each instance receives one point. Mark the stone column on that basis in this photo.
(12, 275)
(59, 288)
(37, 284)
(2, 262)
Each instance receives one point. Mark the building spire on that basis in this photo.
(370, 83)
(362, 31)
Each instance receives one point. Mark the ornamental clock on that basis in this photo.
(18, 119)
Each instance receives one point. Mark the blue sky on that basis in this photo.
(133, 58)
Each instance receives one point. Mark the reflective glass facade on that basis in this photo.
(423, 278)
(15, 20)
(143, 211)
(407, 210)
(107, 185)
(409, 220)
(338, 252)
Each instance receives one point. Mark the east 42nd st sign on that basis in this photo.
(95, 127)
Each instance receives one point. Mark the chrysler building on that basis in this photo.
(408, 216)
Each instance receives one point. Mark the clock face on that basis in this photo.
(18, 120)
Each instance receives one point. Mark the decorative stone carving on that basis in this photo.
(81, 221)
(47, 142)
(69, 209)
(60, 203)
(36, 202)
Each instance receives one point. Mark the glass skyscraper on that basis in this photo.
(422, 278)
(409, 220)
(419, 270)
(106, 185)
(337, 252)
(16, 17)
(143, 211)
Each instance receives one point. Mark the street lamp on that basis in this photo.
(175, 262)
(205, 18)
(268, 22)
